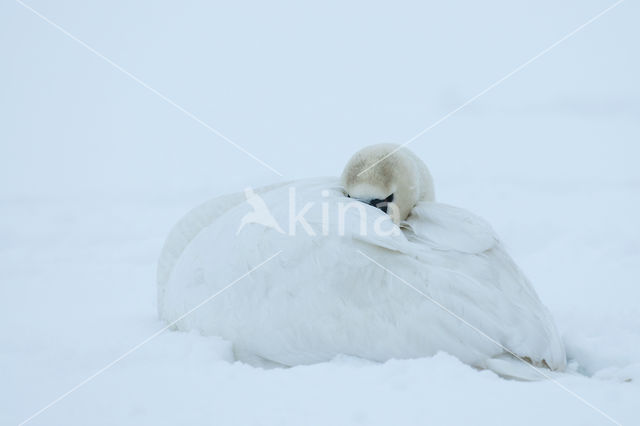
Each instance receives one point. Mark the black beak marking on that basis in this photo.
(382, 204)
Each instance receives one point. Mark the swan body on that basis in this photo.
(378, 288)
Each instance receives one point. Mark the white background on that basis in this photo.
(95, 168)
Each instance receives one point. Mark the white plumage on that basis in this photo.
(322, 295)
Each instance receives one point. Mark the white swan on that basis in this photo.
(348, 280)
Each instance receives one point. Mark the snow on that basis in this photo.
(95, 169)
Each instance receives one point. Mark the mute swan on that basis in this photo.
(368, 266)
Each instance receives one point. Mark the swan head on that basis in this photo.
(388, 177)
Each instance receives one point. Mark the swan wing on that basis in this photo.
(343, 289)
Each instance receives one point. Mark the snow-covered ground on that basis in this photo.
(95, 169)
